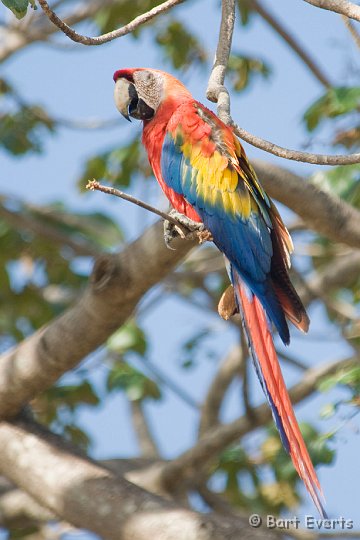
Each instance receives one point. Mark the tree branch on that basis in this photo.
(94, 185)
(343, 7)
(217, 92)
(292, 42)
(295, 155)
(116, 285)
(311, 203)
(354, 33)
(211, 407)
(195, 461)
(141, 427)
(109, 36)
(91, 497)
(118, 282)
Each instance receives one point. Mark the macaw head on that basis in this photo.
(140, 92)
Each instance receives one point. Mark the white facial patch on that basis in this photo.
(149, 86)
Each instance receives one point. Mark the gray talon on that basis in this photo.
(171, 231)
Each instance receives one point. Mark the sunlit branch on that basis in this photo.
(354, 33)
(343, 7)
(109, 36)
(217, 92)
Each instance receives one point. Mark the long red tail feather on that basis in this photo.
(268, 369)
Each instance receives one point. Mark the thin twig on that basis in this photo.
(292, 42)
(295, 155)
(94, 185)
(109, 36)
(216, 91)
(354, 33)
(142, 430)
(343, 7)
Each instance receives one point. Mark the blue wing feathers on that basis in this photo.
(245, 242)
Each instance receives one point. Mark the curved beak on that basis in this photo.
(123, 95)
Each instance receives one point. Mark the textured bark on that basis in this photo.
(321, 211)
(116, 285)
(88, 496)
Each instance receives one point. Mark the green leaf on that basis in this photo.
(137, 386)
(130, 337)
(181, 47)
(18, 7)
(245, 10)
(335, 102)
(21, 132)
(118, 165)
(343, 181)
(120, 13)
(242, 70)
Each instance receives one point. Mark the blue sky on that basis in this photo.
(78, 84)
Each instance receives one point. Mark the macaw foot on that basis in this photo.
(187, 228)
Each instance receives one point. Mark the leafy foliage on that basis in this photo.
(118, 165)
(243, 69)
(19, 7)
(127, 341)
(335, 102)
(246, 11)
(57, 408)
(121, 12)
(180, 46)
(244, 474)
(23, 130)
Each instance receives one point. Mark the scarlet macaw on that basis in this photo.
(204, 172)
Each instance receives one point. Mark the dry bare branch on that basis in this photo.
(353, 31)
(109, 36)
(217, 92)
(343, 7)
(296, 155)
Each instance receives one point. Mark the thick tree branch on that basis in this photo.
(194, 462)
(343, 7)
(109, 36)
(116, 285)
(88, 496)
(311, 203)
(341, 273)
(292, 42)
(18, 509)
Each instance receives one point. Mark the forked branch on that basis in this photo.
(218, 93)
